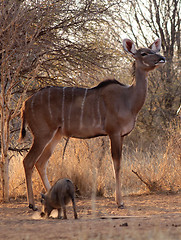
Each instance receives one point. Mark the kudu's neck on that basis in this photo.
(139, 87)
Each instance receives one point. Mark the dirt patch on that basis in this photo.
(144, 217)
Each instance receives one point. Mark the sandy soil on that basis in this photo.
(144, 217)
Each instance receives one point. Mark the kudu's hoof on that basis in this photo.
(31, 206)
(121, 206)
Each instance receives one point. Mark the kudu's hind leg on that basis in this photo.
(116, 150)
(41, 164)
(29, 161)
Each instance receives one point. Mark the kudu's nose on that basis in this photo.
(162, 60)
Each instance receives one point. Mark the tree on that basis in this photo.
(17, 38)
(43, 43)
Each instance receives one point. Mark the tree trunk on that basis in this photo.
(5, 120)
(5, 178)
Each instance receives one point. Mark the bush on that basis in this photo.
(88, 164)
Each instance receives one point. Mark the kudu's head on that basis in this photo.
(146, 59)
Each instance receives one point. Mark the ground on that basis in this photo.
(144, 217)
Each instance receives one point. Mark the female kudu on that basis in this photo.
(108, 109)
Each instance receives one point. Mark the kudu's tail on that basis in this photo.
(23, 124)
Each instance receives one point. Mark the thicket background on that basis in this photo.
(79, 43)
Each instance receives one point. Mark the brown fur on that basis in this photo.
(109, 109)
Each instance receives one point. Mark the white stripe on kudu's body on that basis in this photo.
(49, 103)
(32, 105)
(109, 109)
(63, 107)
(70, 109)
(82, 108)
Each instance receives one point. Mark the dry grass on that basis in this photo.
(88, 163)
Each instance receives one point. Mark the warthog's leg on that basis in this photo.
(74, 207)
(64, 212)
(59, 213)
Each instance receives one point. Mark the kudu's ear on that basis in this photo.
(156, 46)
(129, 46)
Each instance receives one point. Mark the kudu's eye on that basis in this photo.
(143, 54)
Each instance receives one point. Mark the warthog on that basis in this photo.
(58, 197)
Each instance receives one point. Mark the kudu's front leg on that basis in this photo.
(116, 150)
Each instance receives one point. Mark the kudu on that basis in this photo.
(107, 109)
